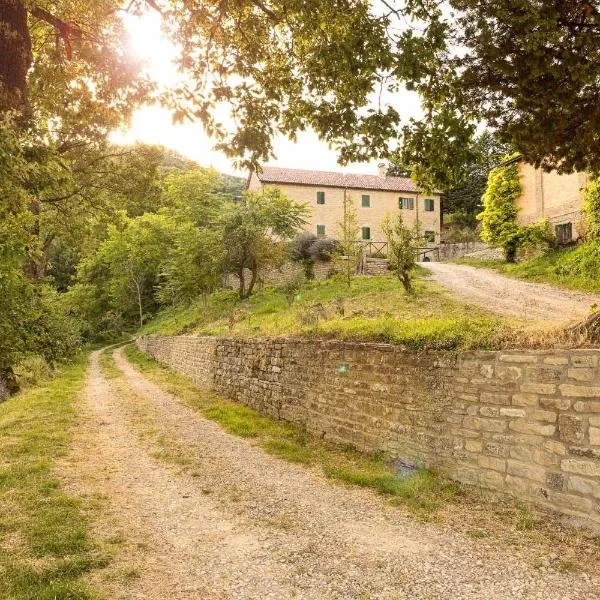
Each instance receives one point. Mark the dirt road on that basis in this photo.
(512, 297)
(238, 524)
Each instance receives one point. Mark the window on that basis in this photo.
(321, 230)
(366, 201)
(320, 197)
(429, 205)
(430, 236)
(366, 233)
(406, 203)
(564, 233)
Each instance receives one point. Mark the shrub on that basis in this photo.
(323, 249)
(499, 217)
(591, 208)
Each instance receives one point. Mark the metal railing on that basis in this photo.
(373, 249)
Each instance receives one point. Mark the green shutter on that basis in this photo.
(320, 229)
(320, 197)
(366, 233)
(366, 201)
(429, 205)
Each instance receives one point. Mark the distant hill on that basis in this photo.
(173, 160)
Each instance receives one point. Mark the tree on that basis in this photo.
(465, 199)
(192, 266)
(124, 270)
(348, 251)
(403, 245)
(253, 232)
(499, 216)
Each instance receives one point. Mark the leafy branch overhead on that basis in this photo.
(336, 66)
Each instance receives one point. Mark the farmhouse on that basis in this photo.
(553, 196)
(374, 196)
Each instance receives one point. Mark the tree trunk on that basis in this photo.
(242, 284)
(139, 296)
(253, 279)
(15, 53)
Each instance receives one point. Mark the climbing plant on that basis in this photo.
(500, 227)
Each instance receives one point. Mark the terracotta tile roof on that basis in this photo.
(274, 175)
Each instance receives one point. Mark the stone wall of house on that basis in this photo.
(523, 422)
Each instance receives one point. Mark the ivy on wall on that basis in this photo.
(500, 227)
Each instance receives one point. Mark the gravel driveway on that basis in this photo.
(240, 524)
(512, 297)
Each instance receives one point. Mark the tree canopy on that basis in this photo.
(335, 66)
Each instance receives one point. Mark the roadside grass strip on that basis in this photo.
(45, 545)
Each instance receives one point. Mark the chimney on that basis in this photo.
(382, 169)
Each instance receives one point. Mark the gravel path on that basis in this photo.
(245, 525)
(512, 297)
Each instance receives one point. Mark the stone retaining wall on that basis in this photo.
(524, 422)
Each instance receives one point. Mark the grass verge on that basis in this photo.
(372, 308)
(421, 493)
(45, 547)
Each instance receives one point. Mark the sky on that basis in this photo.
(153, 124)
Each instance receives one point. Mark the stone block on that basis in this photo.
(543, 374)
(546, 416)
(486, 370)
(538, 388)
(533, 428)
(594, 433)
(506, 373)
(494, 398)
(582, 485)
(481, 424)
(512, 412)
(555, 447)
(473, 445)
(491, 479)
(555, 480)
(518, 358)
(591, 468)
(571, 502)
(496, 449)
(556, 360)
(584, 360)
(587, 406)
(525, 399)
(522, 453)
(579, 391)
(492, 462)
(546, 459)
(525, 470)
(571, 428)
(489, 411)
(581, 374)
(555, 403)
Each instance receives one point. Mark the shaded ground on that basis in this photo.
(511, 297)
(207, 515)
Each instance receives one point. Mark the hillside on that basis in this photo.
(373, 308)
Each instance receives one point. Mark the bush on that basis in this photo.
(591, 208)
(500, 227)
(323, 249)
